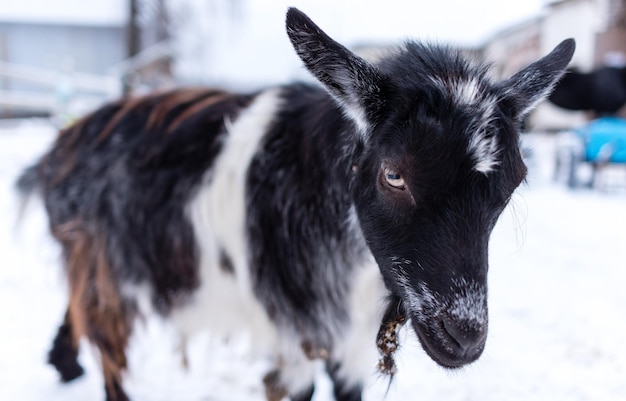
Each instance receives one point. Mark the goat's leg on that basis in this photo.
(64, 353)
(275, 391)
(106, 320)
(342, 389)
(109, 329)
(276, 387)
(96, 308)
(305, 395)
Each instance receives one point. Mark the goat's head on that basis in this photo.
(439, 162)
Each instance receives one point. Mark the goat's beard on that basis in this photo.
(387, 338)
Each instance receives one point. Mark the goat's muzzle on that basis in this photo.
(451, 342)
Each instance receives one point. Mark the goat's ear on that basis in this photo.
(353, 82)
(532, 84)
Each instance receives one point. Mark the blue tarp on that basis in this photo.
(605, 140)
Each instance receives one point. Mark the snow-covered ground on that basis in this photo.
(557, 303)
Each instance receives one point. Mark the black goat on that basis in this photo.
(307, 216)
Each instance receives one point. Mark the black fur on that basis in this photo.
(226, 262)
(285, 175)
(64, 353)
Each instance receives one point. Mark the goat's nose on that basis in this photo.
(468, 336)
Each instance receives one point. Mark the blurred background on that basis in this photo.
(64, 57)
(557, 299)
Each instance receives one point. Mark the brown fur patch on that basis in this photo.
(95, 307)
(158, 109)
(127, 106)
(314, 351)
(160, 105)
(172, 100)
(196, 108)
(274, 390)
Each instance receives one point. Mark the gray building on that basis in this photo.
(69, 56)
(88, 49)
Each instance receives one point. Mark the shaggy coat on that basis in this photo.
(315, 217)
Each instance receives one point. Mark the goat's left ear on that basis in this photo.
(357, 85)
(532, 84)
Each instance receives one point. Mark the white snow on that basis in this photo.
(557, 303)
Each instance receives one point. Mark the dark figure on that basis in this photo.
(602, 91)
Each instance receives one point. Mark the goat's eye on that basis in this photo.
(393, 178)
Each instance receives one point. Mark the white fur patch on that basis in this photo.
(468, 303)
(462, 91)
(419, 301)
(467, 92)
(357, 351)
(483, 145)
(357, 115)
(225, 303)
(224, 300)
